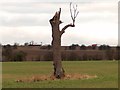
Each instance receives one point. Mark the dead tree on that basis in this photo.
(56, 39)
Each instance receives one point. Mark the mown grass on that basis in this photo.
(107, 72)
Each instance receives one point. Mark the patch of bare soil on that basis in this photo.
(38, 78)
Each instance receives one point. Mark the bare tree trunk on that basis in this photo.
(56, 45)
(56, 42)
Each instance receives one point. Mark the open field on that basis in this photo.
(106, 71)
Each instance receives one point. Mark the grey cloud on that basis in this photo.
(25, 8)
(43, 20)
(26, 20)
(29, 13)
(57, 0)
(36, 7)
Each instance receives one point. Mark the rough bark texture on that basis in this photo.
(56, 44)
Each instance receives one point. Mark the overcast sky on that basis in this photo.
(28, 20)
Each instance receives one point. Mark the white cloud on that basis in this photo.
(26, 34)
(92, 32)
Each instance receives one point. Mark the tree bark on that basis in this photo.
(56, 44)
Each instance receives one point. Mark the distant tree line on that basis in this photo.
(11, 53)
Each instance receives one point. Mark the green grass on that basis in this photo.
(107, 72)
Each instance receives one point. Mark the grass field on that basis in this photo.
(107, 72)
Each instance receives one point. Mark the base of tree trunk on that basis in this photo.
(59, 73)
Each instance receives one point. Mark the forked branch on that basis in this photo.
(73, 12)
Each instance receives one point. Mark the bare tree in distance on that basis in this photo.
(59, 72)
